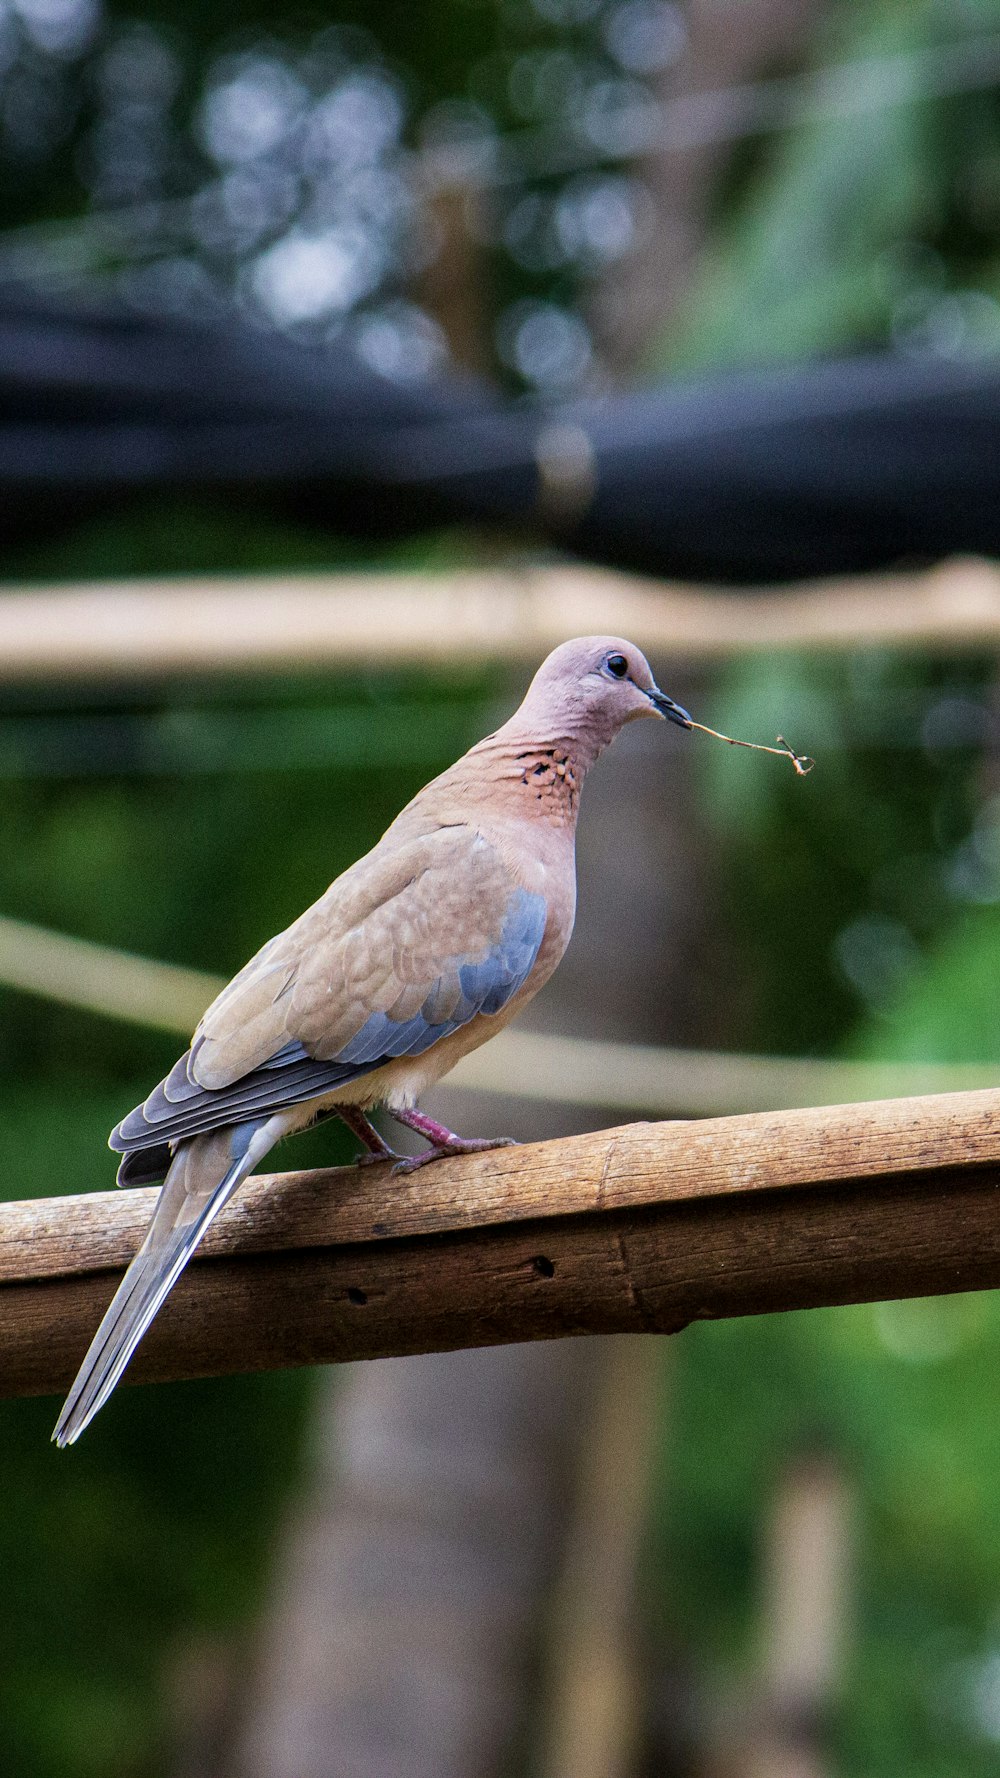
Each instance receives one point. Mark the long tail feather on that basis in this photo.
(203, 1175)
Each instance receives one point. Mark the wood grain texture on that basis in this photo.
(639, 1229)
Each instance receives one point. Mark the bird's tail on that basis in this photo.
(203, 1175)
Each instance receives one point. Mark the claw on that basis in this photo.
(411, 1162)
(461, 1145)
(367, 1159)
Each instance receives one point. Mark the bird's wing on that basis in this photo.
(409, 944)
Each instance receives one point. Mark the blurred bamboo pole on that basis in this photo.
(780, 1727)
(330, 622)
(100, 979)
(661, 1081)
(657, 1080)
(807, 1574)
(595, 1704)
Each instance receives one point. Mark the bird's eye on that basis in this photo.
(617, 665)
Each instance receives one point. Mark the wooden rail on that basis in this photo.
(331, 622)
(638, 1229)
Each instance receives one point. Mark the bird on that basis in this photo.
(418, 953)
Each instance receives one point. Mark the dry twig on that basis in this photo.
(801, 761)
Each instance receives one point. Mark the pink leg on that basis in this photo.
(366, 1133)
(443, 1141)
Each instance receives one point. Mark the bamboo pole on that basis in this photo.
(269, 623)
(101, 979)
(639, 1229)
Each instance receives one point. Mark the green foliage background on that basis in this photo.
(837, 238)
(210, 832)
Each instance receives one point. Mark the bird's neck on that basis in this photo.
(545, 781)
(539, 768)
(535, 731)
(529, 770)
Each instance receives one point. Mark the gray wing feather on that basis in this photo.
(180, 1107)
(161, 1119)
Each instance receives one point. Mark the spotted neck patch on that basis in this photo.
(550, 779)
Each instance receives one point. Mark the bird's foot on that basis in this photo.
(442, 1141)
(461, 1145)
(375, 1157)
(375, 1149)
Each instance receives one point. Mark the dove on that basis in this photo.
(417, 954)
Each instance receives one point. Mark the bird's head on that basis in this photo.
(598, 684)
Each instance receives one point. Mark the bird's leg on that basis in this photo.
(443, 1141)
(366, 1133)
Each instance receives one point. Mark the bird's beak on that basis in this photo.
(665, 706)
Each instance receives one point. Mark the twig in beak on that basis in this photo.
(801, 761)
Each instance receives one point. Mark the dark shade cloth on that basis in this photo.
(749, 477)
